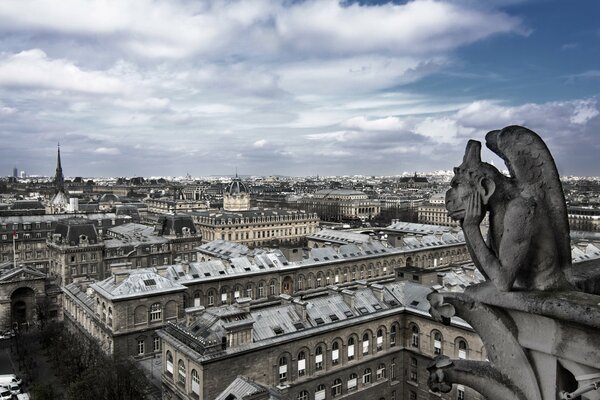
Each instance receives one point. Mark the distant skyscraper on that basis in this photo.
(15, 172)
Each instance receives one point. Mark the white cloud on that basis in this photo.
(380, 124)
(260, 143)
(175, 29)
(584, 111)
(33, 68)
(107, 151)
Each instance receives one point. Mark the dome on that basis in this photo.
(236, 187)
(109, 198)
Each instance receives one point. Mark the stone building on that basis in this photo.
(371, 342)
(340, 204)
(78, 251)
(256, 227)
(122, 312)
(236, 196)
(584, 218)
(172, 206)
(32, 232)
(27, 297)
(435, 214)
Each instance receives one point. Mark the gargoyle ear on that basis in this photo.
(472, 153)
(486, 188)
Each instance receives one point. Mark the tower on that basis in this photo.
(59, 179)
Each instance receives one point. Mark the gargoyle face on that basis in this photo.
(461, 188)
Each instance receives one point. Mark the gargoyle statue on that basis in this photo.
(528, 245)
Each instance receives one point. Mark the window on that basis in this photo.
(381, 371)
(169, 363)
(195, 383)
(365, 344)
(412, 373)
(303, 395)
(272, 288)
(301, 364)
(282, 369)
(352, 382)
(156, 344)
(211, 298)
(335, 353)
(140, 347)
(412, 395)
(393, 336)
(366, 376)
(249, 290)
(437, 343)
(415, 336)
(320, 392)
(319, 358)
(336, 388)
(460, 392)
(181, 375)
(261, 290)
(155, 312)
(393, 369)
(223, 296)
(462, 349)
(380, 339)
(350, 349)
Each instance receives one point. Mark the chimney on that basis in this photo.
(348, 297)
(162, 271)
(378, 291)
(243, 303)
(192, 314)
(300, 307)
(120, 276)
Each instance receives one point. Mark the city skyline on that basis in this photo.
(292, 88)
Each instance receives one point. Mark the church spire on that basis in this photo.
(59, 179)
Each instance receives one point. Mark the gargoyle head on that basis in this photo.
(437, 379)
(472, 176)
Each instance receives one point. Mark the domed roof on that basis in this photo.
(109, 198)
(236, 187)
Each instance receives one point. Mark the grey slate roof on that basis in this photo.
(138, 282)
(339, 236)
(423, 229)
(241, 387)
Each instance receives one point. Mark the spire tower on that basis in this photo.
(59, 179)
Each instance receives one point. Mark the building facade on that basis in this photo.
(371, 342)
(340, 204)
(256, 227)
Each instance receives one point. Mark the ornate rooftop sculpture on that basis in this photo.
(540, 334)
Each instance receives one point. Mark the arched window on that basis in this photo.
(197, 299)
(437, 343)
(211, 297)
(336, 388)
(155, 312)
(352, 382)
(282, 369)
(303, 395)
(462, 349)
(393, 336)
(379, 339)
(181, 374)
(261, 289)
(272, 288)
(335, 353)
(365, 344)
(319, 358)
(412, 372)
(381, 371)
(224, 296)
(351, 349)
(366, 376)
(301, 363)
(320, 392)
(249, 290)
(169, 363)
(195, 382)
(415, 336)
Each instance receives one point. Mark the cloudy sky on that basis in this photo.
(169, 87)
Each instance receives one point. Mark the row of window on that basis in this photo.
(317, 362)
(350, 385)
(181, 374)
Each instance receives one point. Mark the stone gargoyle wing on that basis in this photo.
(532, 167)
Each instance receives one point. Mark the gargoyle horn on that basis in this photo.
(472, 153)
